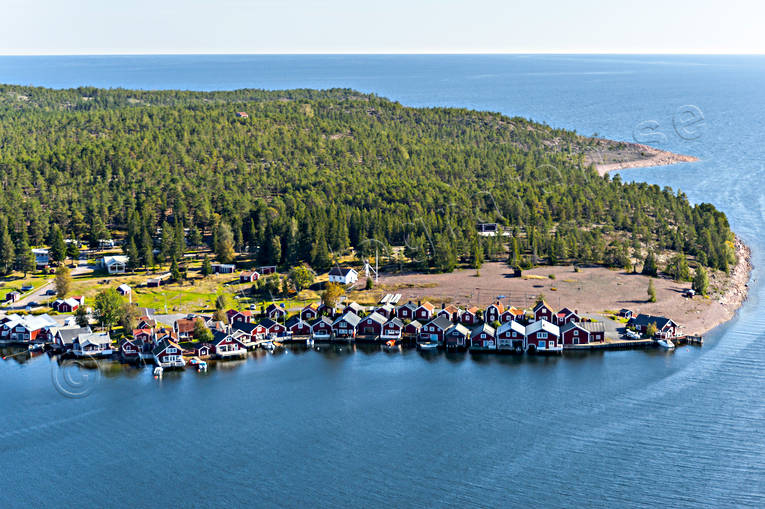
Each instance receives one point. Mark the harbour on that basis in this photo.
(457, 429)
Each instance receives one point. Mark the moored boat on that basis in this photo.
(666, 344)
(391, 345)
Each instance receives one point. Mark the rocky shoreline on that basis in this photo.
(655, 157)
(737, 290)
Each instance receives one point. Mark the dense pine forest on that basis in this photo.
(305, 175)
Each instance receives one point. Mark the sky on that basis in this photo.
(383, 26)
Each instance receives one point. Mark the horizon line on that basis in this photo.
(380, 53)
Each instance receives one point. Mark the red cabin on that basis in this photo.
(424, 311)
(406, 311)
(543, 336)
(565, 316)
(542, 311)
(573, 333)
(235, 316)
(434, 330)
(322, 328)
(493, 312)
(345, 326)
(309, 313)
(129, 349)
(299, 327)
(372, 325)
(470, 316)
(412, 329)
(392, 329)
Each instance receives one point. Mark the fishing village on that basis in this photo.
(163, 319)
(193, 340)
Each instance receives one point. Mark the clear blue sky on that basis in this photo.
(383, 26)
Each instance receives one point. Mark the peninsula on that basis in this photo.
(197, 202)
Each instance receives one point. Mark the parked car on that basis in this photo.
(27, 288)
(631, 334)
(51, 292)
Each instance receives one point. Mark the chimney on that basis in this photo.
(419, 303)
(443, 305)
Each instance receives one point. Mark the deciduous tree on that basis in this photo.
(63, 281)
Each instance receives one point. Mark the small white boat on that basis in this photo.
(202, 366)
(427, 346)
(666, 344)
(158, 372)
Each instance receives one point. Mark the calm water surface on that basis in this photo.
(353, 428)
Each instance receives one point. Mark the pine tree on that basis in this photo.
(650, 268)
(651, 291)
(180, 241)
(57, 244)
(276, 250)
(175, 271)
(320, 255)
(25, 259)
(206, 266)
(134, 259)
(701, 281)
(148, 250)
(477, 254)
(678, 268)
(98, 232)
(73, 250)
(7, 251)
(168, 242)
(195, 237)
(445, 257)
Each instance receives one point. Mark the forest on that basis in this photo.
(306, 175)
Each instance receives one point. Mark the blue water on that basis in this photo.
(329, 429)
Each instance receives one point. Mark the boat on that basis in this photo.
(429, 346)
(391, 345)
(202, 366)
(666, 344)
(158, 372)
(36, 347)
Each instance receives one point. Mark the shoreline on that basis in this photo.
(737, 291)
(656, 158)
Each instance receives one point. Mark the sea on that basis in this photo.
(359, 427)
